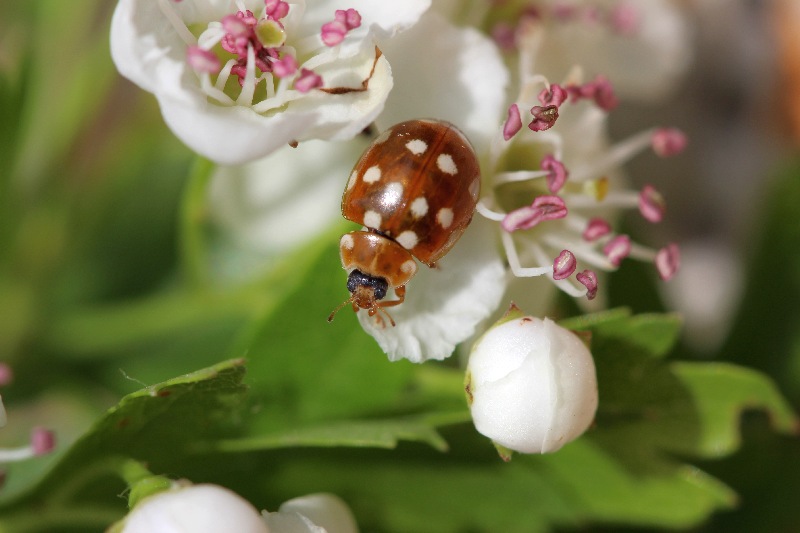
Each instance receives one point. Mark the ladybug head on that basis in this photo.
(365, 293)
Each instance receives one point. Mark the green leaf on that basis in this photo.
(721, 393)
(303, 369)
(157, 424)
(633, 467)
(357, 433)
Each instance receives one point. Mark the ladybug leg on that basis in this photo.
(400, 292)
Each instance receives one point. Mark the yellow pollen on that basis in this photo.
(597, 188)
(270, 33)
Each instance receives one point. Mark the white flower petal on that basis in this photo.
(448, 73)
(232, 135)
(279, 202)
(343, 116)
(194, 509)
(325, 510)
(444, 305)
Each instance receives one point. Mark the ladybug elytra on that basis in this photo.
(414, 190)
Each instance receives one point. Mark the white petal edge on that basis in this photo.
(449, 73)
(325, 510)
(277, 203)
(444, 305)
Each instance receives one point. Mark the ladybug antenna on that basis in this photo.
(338, 307)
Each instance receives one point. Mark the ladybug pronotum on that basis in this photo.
(414, 190)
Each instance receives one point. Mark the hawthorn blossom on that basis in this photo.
(551, 184)
(530, 384)
(236, 80)
(551, 188)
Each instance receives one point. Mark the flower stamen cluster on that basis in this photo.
(571, 202)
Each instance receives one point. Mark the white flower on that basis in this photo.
(549, 187)
(237, 80)
(194, 509)
(531, 384)
(314, 513)
(297, 188)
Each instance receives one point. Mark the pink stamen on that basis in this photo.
(603, 94)
(542, 209)
(6, 374)
(307, 80)
(651, 204)
(504, 34)
(596, 228)
(555, 96)
(557, 173)
(668, 261)
(667, 142)
(617, 249)
(202, 60)
(513, 122)
(564, 265)
(350, 18)
(333, 32)
(235, 26)
(286, 66)
(276, 9)
(589, 280)
(543, 117)
(43, 441)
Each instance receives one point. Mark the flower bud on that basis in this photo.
(194, 509)
(531, 384)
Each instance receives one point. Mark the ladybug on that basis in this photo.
(414, 190)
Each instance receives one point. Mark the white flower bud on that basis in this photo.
(531, 384)
(326, 512)
(194, 509)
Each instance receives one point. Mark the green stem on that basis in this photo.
(194, 215)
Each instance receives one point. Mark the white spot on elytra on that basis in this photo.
(352, 180)
(446, 164)
(445, 217)
(372, 174)
(408, 239)
(417, 146)
(393, 193)
(347, 242)
(409, 267)
(419, 207)
(372, 220)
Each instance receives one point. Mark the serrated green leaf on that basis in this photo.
(720, 393)
(655, 334)
(157, 424)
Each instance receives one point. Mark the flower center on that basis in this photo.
(251, 59)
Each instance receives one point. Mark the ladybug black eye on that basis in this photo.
(358, 279)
